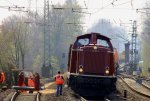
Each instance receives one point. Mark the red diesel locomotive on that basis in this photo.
(92, 65)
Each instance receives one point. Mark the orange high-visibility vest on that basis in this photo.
(59, 79)
(30, 82)
(3, 77)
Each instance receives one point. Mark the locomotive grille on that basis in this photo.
(94, 62)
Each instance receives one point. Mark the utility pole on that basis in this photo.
(134, 51)
(46, 55)
(127, 51)
(49, 42)
(44, 30)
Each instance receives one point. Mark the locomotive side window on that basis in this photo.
(102, 43)
(81, 42)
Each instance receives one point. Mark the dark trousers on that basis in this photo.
(59, 89)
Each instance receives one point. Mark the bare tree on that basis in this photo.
(15, 32)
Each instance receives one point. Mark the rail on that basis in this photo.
(38, 97)
(134, 90)
(144, 85)
(134, 78)
(83, 99)
(16, 94)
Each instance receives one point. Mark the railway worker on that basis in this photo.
(37, 81)
(21, 79)
(2, 79)
(31, 83)
(59, 80)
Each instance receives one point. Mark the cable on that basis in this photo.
(101, 8)
(13, 8)
(112, 3)
(4, 7)
(85, 4)
(123, 3)
(143, 12)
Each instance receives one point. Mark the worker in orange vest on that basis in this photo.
(2, 79)
(59, 80)
(3, 76)
(31, 83)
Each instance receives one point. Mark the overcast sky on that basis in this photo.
(117, 11)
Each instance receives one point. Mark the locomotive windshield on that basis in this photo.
(102, 42)
(83, 41)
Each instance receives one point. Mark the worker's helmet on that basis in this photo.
(58, 72)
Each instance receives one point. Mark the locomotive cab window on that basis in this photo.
(103, 43)
(84, 41)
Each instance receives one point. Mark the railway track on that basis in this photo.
(25, 97)
(84, 99)
(143, 83)
(141, 90)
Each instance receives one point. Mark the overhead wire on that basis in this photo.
(113, 4)
(101, 8)
(4, 7)
(123, 3)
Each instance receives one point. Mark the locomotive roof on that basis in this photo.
(97, 34)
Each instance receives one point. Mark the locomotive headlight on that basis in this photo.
(81, 68)
(107, 71)
(95, 47)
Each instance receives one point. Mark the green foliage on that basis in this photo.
(15, 34)
(54, 62)
(37, 61)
